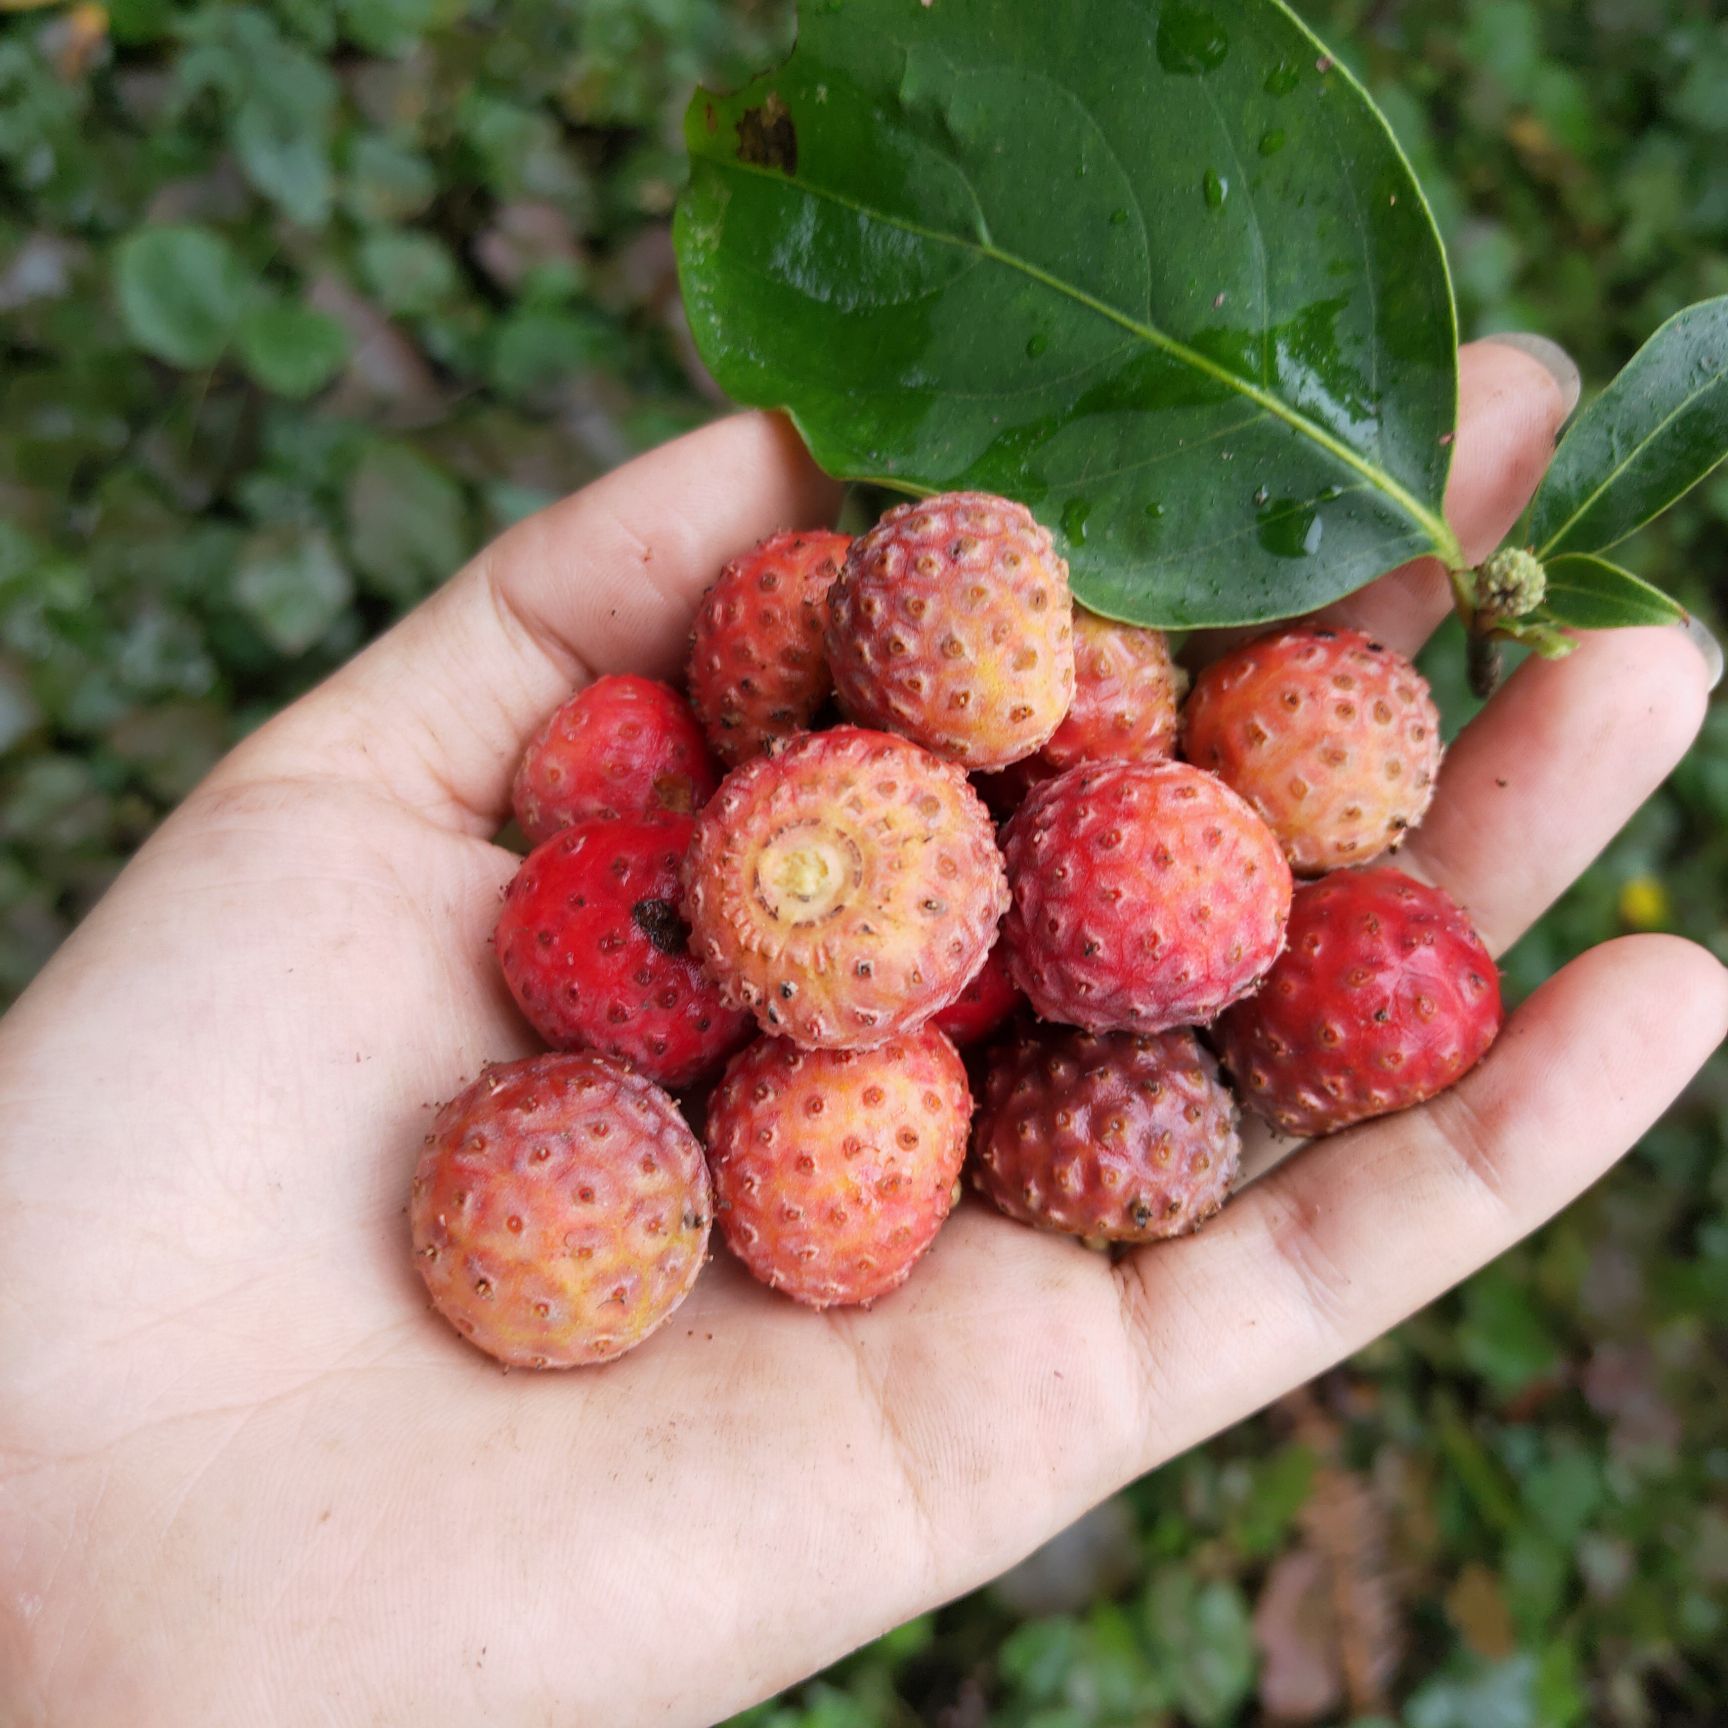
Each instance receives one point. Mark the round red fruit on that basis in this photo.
(952, 623)
(621, 748)
(1331, 736)
(834, 1169)
(986, 1004)
(559, 1211)
(1384, 997)
(758, 671)
(1127, 1137)
(596, 952)
(844, 888)
(1127, 694)
(1145, 895)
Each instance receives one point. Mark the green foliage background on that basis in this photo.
(301, 299)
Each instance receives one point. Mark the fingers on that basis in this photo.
(1552, 769)
(1510, 409)
(438, 709)
(1340, 1244)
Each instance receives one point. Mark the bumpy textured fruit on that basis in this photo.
(834, 1169)
(620, 748)
(1127, 701)
(984, 1005)
(1127, 696)
(1384, 997)
(952, 623)
(844, 888)
(1146, 895)
(596, 952)
(1128, 1137)
(758, 671)
(559, 1210)
(1331, 736)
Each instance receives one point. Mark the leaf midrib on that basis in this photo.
(1717, 380)
(1445, 542)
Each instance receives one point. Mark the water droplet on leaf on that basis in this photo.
(1191, 41)
(1292, 529)
(1272, 142)
(1036, 345)
(1074, 514)
(1216, 188)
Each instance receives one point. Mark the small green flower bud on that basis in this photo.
(1510, 584)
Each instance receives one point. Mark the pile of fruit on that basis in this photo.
(824, 925)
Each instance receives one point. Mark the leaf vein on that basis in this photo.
(1444, 542)
(1718, 380)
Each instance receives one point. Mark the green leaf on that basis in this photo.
(540, 347)
(313, 21)
(387, 26)
(1156, 269)
(282, 135)
(135, 21)
(1647, 440)
(1561, 1700)
(1217, 1671)
(291, 350)
(1038, 1657)
(1202, 1638)
(1280, 1488)
(1536, 1573)
(1564, 1493)
(410, 273)
(407, 528)
(1589, 593)
(1503, 1333)
(292, 586)
(181, 290)
(281, 103)
(522, 152)
(1503, 1696)
(386, 181)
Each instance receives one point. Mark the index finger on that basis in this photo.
(439, 708)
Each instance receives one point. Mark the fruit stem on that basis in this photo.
(1486, 663)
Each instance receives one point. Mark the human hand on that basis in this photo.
(247, 1477)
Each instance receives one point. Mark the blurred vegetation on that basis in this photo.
(302, 299)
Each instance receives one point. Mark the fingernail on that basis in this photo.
(1553, 359)
(1707, 645)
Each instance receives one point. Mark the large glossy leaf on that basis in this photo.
(1155, 268)
(1650, 437)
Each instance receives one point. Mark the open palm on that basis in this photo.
(247, 1477)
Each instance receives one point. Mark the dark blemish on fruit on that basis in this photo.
(662, 923)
